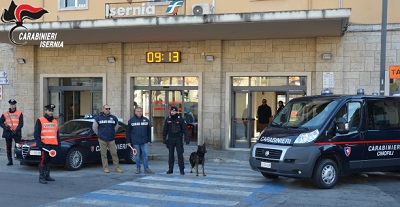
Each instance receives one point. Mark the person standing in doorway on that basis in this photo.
(138, 134)
(280, 106)
(105, 125)
(174, 129)
(47, 138)
(263, 114)
(12, 122)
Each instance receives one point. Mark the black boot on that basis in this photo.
(47, 173)
(41, 175)
(10, 161)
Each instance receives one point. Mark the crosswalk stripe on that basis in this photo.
(96, 202)
(205, 182)
(234, 177)
(166, 197)
(189, 189)
(218, 171)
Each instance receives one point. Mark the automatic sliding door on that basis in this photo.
(242, 120)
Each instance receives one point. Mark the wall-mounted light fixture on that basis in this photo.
(21, 60)
(209, 58)
(326, 56)
(111, 59)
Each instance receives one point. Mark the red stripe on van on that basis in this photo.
(360, 142)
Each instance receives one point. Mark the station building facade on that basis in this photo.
(214, 59)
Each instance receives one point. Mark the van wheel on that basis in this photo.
(325, 174)
(269, 176)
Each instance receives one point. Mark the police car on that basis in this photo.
(79, 145)
(326, 136)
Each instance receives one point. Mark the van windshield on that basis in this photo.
(310, 114)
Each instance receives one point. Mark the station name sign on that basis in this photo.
(129, 10)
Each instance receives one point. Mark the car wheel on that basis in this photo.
(130, 157)
(74, 159)
(269, 176)
(325, 174)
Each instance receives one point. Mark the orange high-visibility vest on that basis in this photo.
(49, 131)
(12, 119)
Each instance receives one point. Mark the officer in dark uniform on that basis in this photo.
(12, 122)
(174, 129)
(47, 137)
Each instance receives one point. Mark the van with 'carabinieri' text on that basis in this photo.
(326, 136)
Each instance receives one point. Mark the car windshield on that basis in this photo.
(75, 127)
(310, 114)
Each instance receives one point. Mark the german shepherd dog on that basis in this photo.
(197, 158)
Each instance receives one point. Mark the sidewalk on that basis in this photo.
(158, 151)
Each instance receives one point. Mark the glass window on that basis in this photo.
(54, 82)
(269, 81)
(351, 112)
(394, 87)
(73, 4)
(310, 114)
(142, 99)
(191, 81)
(97, 81)
(141, 81)
(240, 81)
(160, 81)
(297, 81)
(176, 81)
(77, 81)
(382, 115)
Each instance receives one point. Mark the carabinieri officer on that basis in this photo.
(47, 137)
(12, 122)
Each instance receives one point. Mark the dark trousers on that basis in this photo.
(178, 144)
(45, 157)
(9, 145)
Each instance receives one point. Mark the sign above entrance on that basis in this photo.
(163, 57)
(394, 71)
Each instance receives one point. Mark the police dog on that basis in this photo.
(197, 158)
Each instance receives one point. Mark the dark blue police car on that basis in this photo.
(79, 145)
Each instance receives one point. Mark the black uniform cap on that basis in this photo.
(12, 101)
(50, 106)
(174, 108)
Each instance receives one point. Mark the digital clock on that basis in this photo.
(163, 57)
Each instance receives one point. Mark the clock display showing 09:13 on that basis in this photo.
(163, 57)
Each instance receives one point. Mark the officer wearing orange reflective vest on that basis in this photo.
(47, 137)
(12, 122)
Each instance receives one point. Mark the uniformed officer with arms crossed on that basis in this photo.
(12, 122)
(174, 129)
(47, 137)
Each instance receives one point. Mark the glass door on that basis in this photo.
(161, 103)
(56, 99)
(242, 120)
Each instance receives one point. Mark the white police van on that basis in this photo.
(323, 137)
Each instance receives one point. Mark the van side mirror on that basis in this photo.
(342, 126)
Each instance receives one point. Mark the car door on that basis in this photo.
(351, 144)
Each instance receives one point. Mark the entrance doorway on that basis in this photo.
(156, 95)
(247, 95)
(75, 97)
